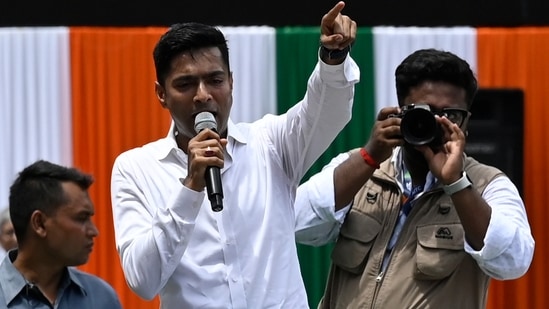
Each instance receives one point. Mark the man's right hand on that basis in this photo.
(385, 134)
(337, 31)
(205, 149)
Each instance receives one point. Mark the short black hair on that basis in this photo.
(183, 37)
(39, 187)
(434, 65)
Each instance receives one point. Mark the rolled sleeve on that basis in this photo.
(317, 222)
(508, 245)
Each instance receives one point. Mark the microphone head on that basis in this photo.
(205, 120)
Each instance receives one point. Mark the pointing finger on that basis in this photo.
(331, 16)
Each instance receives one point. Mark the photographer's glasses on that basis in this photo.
(455, 115)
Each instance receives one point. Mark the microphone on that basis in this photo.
(206, 120)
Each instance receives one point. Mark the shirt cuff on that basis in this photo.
(498, 238)
(187, 204)
(340, 75)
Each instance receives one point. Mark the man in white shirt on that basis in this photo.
(170, 241)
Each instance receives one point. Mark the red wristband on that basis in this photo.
(368, 159)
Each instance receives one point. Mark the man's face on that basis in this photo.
(69, 231)
(439, 96)
(8, 240)
(198, 81)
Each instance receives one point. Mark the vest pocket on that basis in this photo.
(439, 250)
(355, 240)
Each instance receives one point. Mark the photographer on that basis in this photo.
(428, 226)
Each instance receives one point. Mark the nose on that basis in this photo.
(202, 93)
(93, 231)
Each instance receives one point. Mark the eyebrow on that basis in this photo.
(193, 76)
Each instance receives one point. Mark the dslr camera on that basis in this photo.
(419, 126)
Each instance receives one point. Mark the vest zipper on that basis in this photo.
(379, 277)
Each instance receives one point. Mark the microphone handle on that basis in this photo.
(214, 188)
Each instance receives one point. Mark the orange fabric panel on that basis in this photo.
(519, 58)
(114, 108)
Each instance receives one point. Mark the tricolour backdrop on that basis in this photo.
(79, 96)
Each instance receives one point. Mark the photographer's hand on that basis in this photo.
(385, 134)
(351, 175)
(447, 163)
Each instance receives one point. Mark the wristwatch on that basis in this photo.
(458, 185)
(334, 54)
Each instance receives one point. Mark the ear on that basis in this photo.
(231, 80)
(160, 93)
(38, 223)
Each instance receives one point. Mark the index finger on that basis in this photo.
(387, 112)
(334, 12)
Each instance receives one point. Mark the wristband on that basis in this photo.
(368, 159)
(458, 185)
(334, 54)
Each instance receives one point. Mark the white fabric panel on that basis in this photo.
(35, 114)
(393, 44)
(252, 53)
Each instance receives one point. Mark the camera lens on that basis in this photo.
(419, 127)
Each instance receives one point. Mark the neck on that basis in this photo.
(182, 141)
(38, 269)
(415, 164)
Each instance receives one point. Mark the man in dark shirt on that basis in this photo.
(51, 213)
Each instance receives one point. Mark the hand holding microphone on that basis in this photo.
(206, 120)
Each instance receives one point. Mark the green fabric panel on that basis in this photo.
(297, 49)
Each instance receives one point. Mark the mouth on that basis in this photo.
(207, 111)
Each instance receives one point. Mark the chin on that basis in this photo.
(413, 154)
(411, 150)
(79, 261)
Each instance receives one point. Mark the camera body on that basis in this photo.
(419, 126)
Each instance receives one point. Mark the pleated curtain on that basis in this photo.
(35, 105)
(518, 58)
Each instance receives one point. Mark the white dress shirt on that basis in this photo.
(170, 241)
(317, 223)
(508, 245)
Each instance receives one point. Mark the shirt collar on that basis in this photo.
(73, 278)
(168, 145)
(12, 281)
